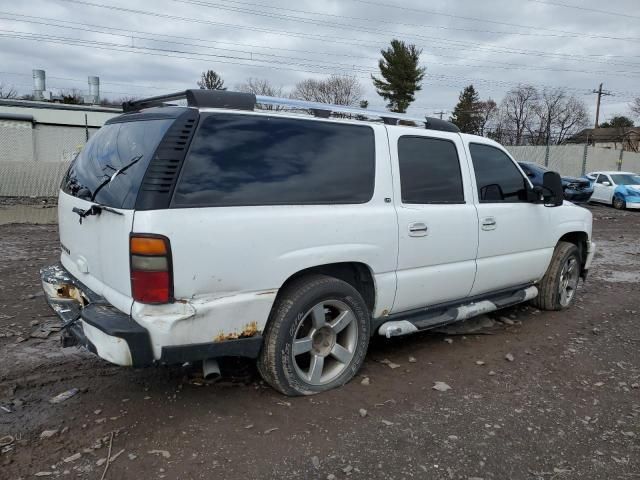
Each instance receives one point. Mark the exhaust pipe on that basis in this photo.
(210, 369)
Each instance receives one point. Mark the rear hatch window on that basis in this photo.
(110, 168)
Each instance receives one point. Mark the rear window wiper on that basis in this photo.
(95, 209)
(132, 162)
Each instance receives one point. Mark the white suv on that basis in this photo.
(190, 233)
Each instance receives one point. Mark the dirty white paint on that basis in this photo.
(112, 349)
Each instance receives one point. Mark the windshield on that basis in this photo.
(110, 168)
(625, 179)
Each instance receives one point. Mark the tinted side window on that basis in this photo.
(602, 178)
(429, 171)
(259, 160)
(497, 177)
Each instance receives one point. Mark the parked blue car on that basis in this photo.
(576, 190)
(620, 189)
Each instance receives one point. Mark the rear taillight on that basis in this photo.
(151, 270)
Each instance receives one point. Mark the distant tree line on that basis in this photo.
(525, 116)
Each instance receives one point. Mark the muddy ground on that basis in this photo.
(566, 407)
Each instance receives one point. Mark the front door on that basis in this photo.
(515, 245)
(438, 225)
(603, 189)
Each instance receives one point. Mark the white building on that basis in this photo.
(33, 131)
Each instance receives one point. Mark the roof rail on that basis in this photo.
(196, 98)
(325, 110)
(247, 101)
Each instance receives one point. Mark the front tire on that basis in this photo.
(619, 203)
(316, 338)
(558, 287)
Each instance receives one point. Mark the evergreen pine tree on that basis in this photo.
(466, 115)
(401, 75)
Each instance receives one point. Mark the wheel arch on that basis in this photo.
(357, 274)
(580, 239)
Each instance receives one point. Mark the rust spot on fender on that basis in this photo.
(250, 330)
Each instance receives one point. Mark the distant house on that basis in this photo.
(620, 138)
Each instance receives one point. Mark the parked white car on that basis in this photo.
(619, 189)
(193, 233)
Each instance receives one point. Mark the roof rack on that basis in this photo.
(247, 101)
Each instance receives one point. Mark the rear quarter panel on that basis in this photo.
(237, 258)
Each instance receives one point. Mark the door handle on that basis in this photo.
(489, 223)
(418, 229)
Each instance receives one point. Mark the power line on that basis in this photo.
(579, 7)
(129, 33)
(476, 19)
(341, 40)
(501, 65)
(448, 80)
(278, 15)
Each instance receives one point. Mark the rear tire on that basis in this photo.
(619, 203)
(316, 337)
(558, 287)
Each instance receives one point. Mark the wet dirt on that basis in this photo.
(566, 407)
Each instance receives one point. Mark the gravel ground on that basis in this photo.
(565, 404)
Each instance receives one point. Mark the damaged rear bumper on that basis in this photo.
(92, 322)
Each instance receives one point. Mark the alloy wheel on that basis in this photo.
(325, 342)
(569, 277)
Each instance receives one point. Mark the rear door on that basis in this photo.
(438, 224)
(106, 176)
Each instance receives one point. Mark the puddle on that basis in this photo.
(35, 214)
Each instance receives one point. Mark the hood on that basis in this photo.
(576, 180)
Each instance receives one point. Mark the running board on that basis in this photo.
(439, 317)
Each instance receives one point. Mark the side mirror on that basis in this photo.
(606, 184)
(552, 184)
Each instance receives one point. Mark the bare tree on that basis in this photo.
(635, 106)
(7, 92)
(259, 86)
(337, 90)
(519, 110)
(487, 115)
(559, 115)
(572, 118)
(552, 101)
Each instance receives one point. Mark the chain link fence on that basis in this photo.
(34, 157)
(577, 160)
(31, 179)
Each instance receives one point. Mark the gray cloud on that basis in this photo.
(280, 41)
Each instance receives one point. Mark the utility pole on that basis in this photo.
(600, 93)
(440, 113)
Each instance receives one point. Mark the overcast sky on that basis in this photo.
(146, 48)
